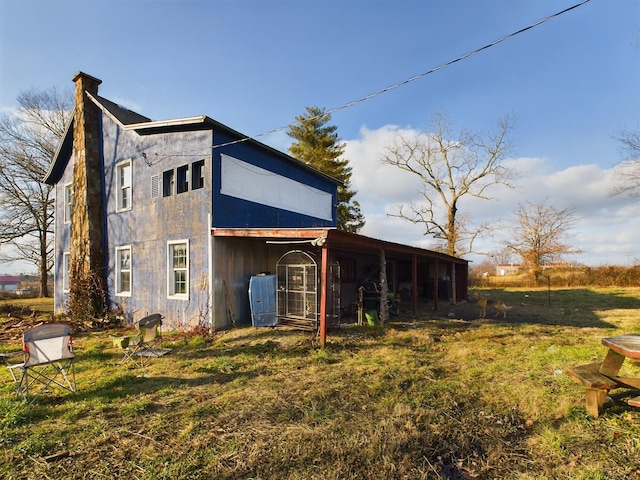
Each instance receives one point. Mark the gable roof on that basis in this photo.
(120, 113)
(142, 125)
(60, 158)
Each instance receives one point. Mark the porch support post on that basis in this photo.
(384, 289)
(453, 284)
(435, 285)
(324, 273)
(414, 283)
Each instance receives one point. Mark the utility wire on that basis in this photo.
(419, 76)
(448, 64)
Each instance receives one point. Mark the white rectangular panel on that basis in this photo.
(248, 182)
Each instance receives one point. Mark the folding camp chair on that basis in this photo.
(48, 360)
(145, 344)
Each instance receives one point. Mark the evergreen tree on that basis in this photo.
(318, 145)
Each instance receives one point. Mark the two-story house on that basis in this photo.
(176, 216)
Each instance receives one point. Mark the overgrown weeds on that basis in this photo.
(426, 397)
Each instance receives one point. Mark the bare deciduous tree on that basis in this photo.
(450, 166)
(28, 140)
(627, 172)
(539, 234)
(502, 257)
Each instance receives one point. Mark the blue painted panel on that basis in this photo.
(262, 298)
(231, 212)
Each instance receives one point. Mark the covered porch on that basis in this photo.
(410, 273)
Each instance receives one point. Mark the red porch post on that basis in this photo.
(324, 272)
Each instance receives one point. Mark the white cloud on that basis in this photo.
(374, 180)
(608, 230)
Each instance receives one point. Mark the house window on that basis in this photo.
(178, 269)
(124, 185)
(197, 175)
(167, 183)
(182, 182)
(68, 202)
(65, 271)
(123, 271)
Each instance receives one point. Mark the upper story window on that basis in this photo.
(167, 183)
(176, 181)
(123, 172)
(123, 271)
(182, 182)
(178, 269)
(197, 175)
(68, 202)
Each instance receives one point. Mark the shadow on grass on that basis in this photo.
(570, 307)
(135, 382)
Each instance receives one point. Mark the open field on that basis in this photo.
(26, 305)
(439, 395)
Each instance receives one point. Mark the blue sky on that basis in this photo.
(572, 83)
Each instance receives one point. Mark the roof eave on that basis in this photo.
(203, 122)
(161, 124)
(62, 155)
(336, 239)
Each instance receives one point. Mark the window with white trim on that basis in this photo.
(65, 271)
(178, 269)
(123, 271)
(68, 202)
(123, 173)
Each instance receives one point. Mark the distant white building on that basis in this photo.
(503, 270)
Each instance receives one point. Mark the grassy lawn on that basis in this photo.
(44, 305)
(442, 395)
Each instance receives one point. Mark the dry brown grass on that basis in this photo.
(425, 397)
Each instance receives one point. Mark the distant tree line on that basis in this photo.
(563, 277)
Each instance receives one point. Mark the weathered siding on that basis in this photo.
(152, 222)
(236, 260)
(62, 239)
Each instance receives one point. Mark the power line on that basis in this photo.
(419, 76)
(448, 64)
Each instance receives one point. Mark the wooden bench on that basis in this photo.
(596, 385)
